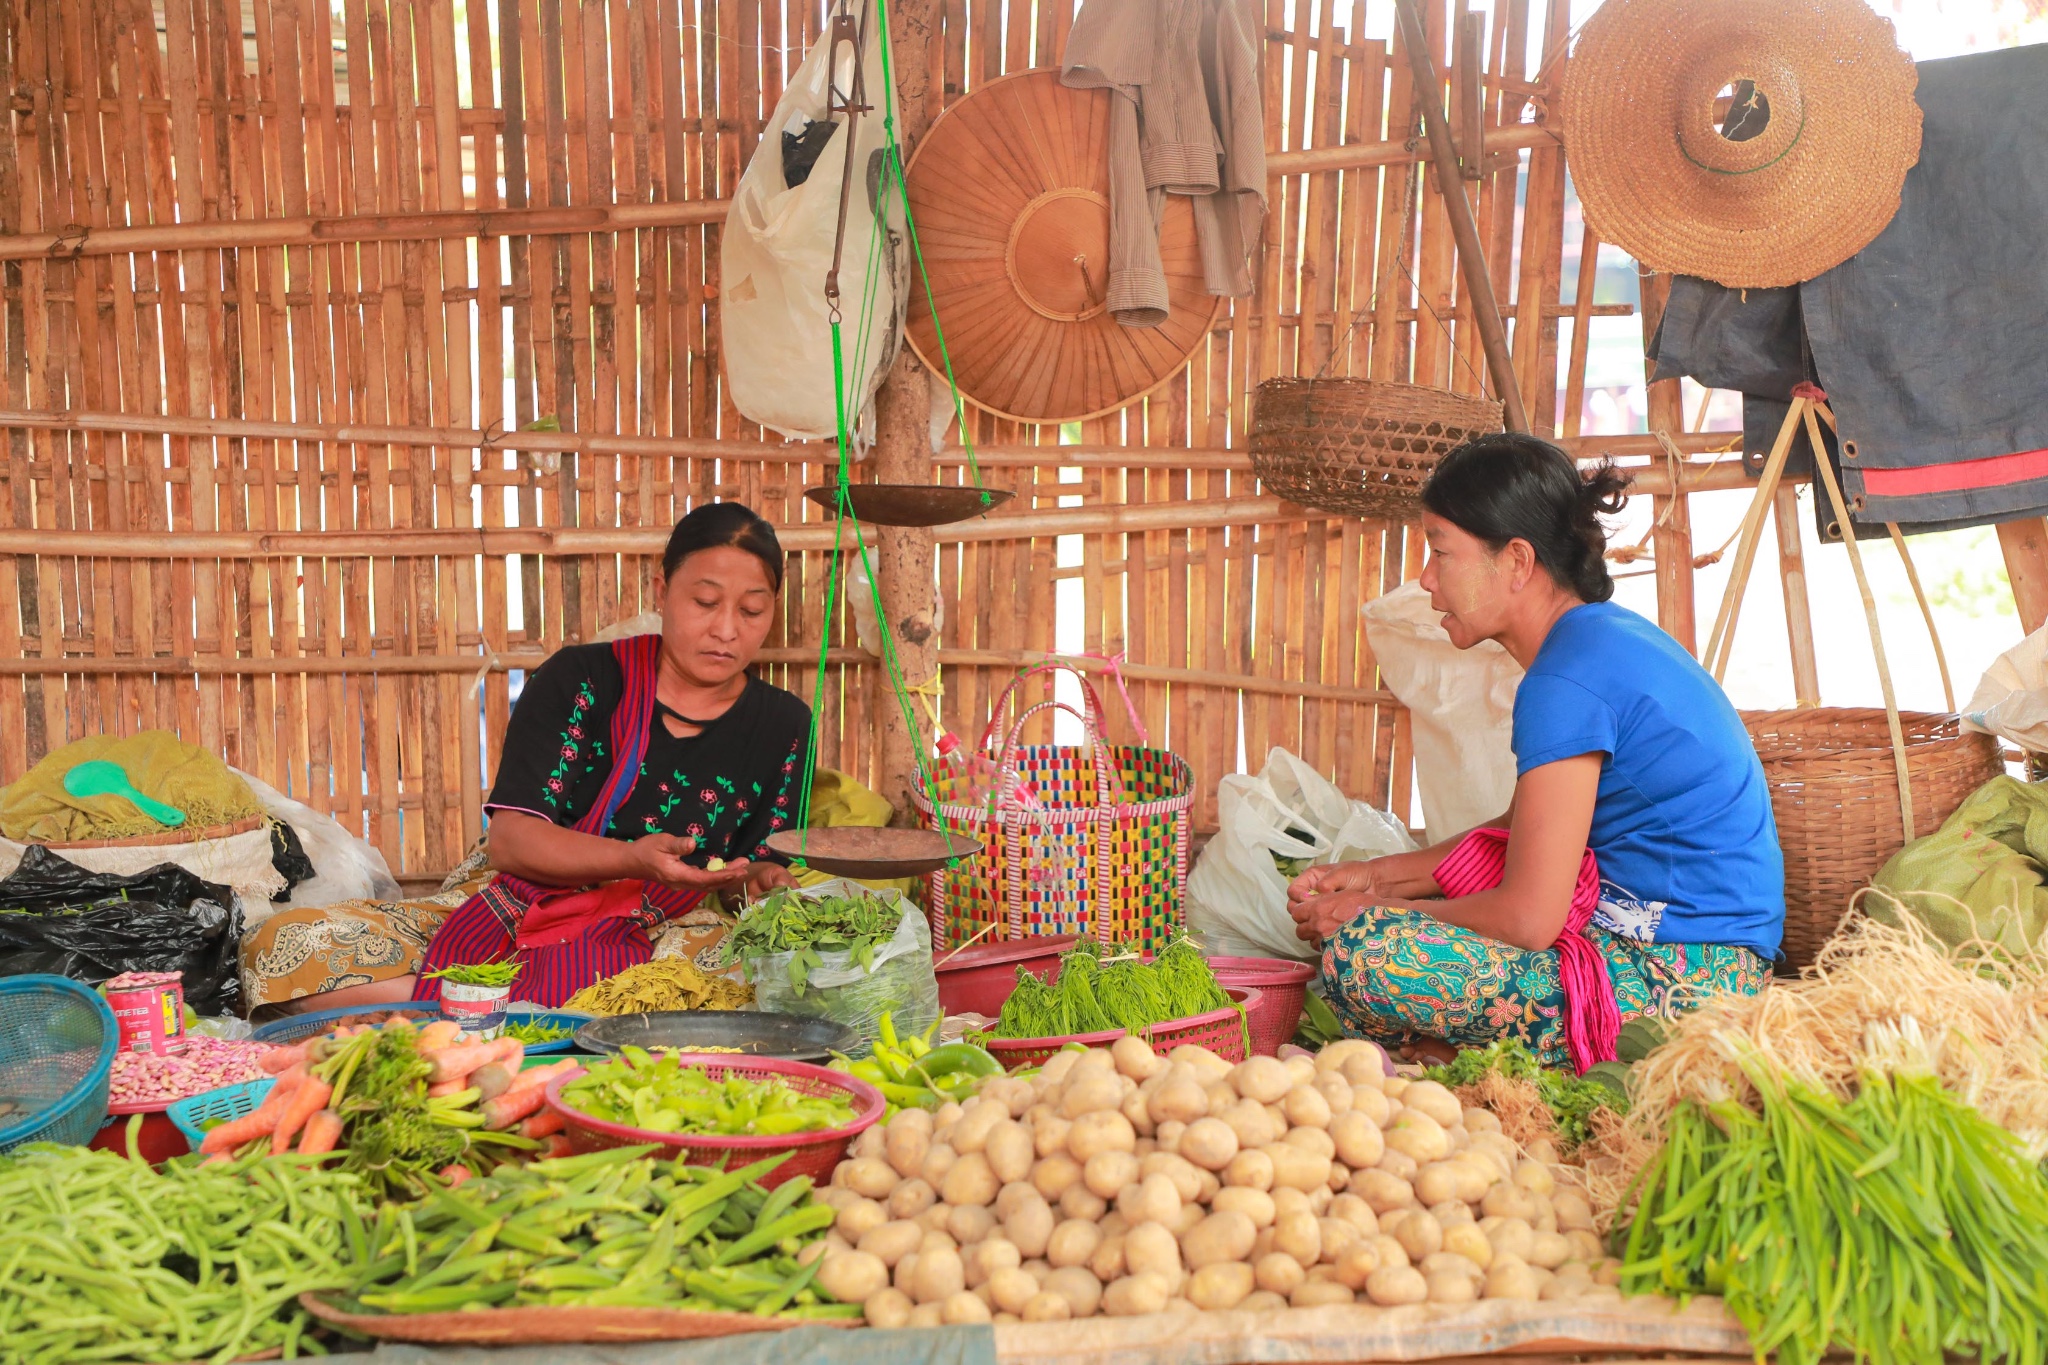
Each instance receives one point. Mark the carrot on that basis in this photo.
(454, 1087)
(557, 1145)
(541, 1124)
(513, 1106)
(280, 1059)
(454, 1173)
(323, 1131)
(453, 1063)
(307, 1100)
(538, 1077)
(438, 1035)
(259, 1122)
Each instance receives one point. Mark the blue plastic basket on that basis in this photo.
(568, 1019)
(296, 1027)
(57, 1042)
(228, 1102)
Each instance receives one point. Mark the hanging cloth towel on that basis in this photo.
(1592, 1018)
(1187, 119)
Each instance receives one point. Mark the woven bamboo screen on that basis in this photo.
(361, 352)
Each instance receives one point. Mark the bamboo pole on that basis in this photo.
(1451, 186)
(1798, 611)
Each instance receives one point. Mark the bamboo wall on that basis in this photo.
(290, 285)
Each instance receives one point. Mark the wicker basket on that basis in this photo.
(1361, 446)
(1835, 796)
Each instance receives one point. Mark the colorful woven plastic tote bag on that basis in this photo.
(1101, 848)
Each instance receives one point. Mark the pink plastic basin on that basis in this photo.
(978, 979)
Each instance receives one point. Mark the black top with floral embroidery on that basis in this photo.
(729, 787)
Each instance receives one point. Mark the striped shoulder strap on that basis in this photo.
(639, 659)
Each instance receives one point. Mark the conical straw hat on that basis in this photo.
(1010, 194)
(1839, 130)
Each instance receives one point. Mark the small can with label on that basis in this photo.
(149, 1008)
(479, 1009)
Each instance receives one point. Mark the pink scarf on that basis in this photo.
(1592, 1019)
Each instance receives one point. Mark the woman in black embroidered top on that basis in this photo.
(630, 766)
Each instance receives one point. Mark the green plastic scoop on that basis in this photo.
(98, 777)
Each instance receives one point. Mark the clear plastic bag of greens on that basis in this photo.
(897, 978)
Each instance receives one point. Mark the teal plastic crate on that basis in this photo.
(228, 1102)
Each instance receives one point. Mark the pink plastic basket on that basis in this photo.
(1016, 1053)
(1281, 985)
(979, 979)
(1219, 1030)
(811, 1154)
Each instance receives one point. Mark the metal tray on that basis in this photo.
(907, 504)
(756, 1034)
(853, 851)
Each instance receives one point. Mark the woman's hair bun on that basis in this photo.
(1513, 486)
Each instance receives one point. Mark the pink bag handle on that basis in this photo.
(1090, 696)
(1011, 821)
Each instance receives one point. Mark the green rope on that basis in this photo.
(894, 170)
(843, 501)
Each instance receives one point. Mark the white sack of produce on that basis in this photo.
(1120, 1183)
(889, 971)
(1461, 704)
(2011, 699)
(345, 868)
(777, 246)
(1270, 827)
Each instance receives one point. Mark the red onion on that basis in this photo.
(205, 1064)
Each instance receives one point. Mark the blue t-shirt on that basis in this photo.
(1682, 824)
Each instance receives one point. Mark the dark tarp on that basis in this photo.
(1929, 341)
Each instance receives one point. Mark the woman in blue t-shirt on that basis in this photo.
(1623, 745)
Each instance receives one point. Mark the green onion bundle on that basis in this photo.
(1900, 1225)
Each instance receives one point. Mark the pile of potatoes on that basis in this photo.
(1120, 1182)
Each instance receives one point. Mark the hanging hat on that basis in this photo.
(1009, 191)
(1753, 142)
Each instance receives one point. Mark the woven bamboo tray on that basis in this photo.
(1361, 446)
(552, 1325)
(1835, 796)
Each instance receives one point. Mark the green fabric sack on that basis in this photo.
(1982, 875)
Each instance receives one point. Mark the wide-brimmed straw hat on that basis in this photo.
(1820, 129)
(1010, 193)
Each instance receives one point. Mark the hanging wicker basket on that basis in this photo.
(1359, 446)
(1835, 795)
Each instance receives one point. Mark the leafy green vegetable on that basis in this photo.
(662, 1095)
(533, 1032)
(806, 926)
(1319, 1026)
(1097, 991)
(1570, 1099)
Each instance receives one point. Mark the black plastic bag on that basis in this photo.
(57, 917)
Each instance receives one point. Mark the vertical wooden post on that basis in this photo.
(1675, 605)
(2025, 543)
(1798, 615)
(905, 558)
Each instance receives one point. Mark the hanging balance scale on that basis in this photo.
(885, 504)
(860, 852)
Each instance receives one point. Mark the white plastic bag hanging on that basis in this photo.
(1461, 705)
(1270, 827)
(2011, 699)
(777, 250)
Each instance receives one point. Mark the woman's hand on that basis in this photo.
(660, 859)
(1318, 917)
(1333, 879)
(765, 877)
